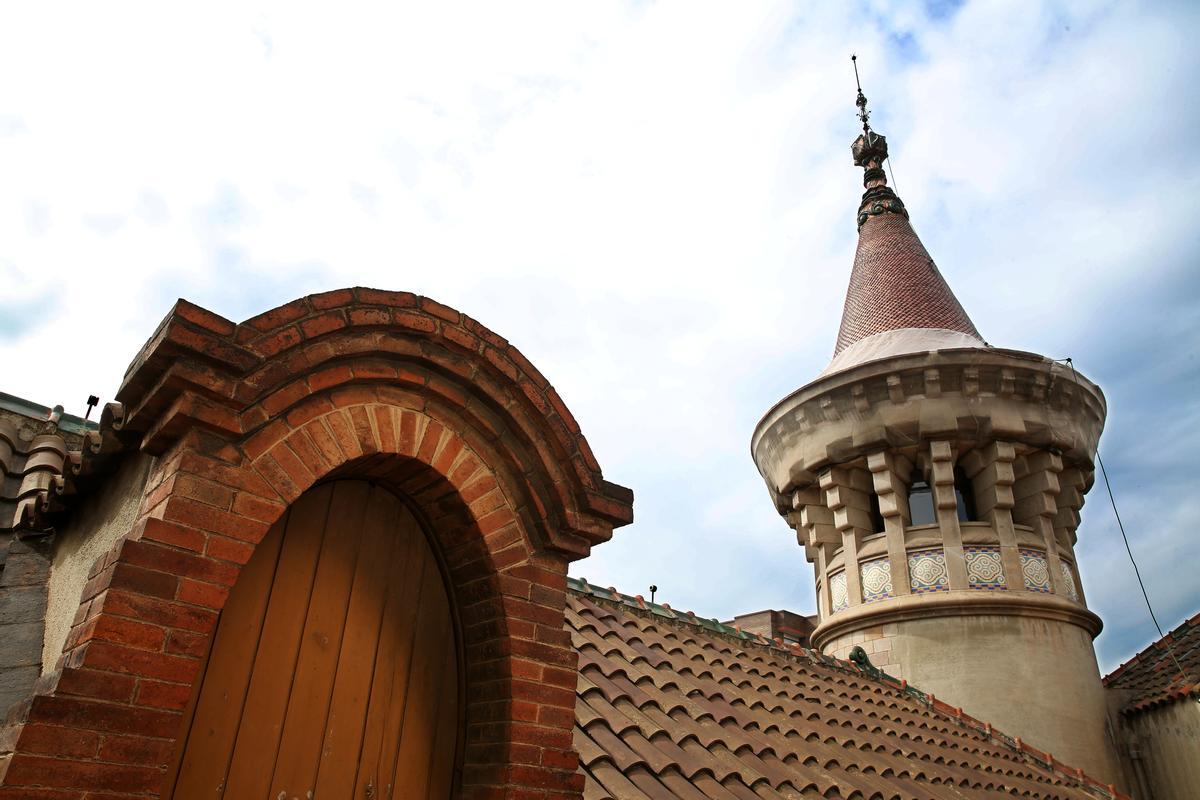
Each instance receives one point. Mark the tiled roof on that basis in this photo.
(1152, 677)
(896, 285)
(33, 454)
(675, 706)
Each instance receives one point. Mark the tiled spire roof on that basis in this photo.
(895, 285)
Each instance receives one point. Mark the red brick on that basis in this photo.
(270, 320)
(143, 581)
(109, 656)
(414, 321)
(343, 434)
(170, 614)
(311, 408)
(189, 512)
(247, 504)
(406, 442)
(58, 772)
(320, 436)
(323, 323)
(438, 310)
(301, 476)
(368, 317)
(466, 341)
(203, 594)
(106, 717)
(128, 632)
(386, 298)
(135, 750)
(159, 530)
(367, 438)
(157, 694)
(177, 562)
(285, 397)
(96, 684)
(330, 376)
(276, 342)
(55, 740)
(334, 299)
(188, 643)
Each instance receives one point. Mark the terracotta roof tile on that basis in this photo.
(675, 708)
(896, 285)
(1152, 678)
(34, 454)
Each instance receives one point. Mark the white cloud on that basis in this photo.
(654, 201)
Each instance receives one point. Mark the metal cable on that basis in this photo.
(1129, 550)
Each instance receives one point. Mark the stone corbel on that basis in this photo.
(847, 496)
(941, 480)
(992, 473)
(1037, 501)
(891, 474)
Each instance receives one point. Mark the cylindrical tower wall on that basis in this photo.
(1031, 677)
(938, 496)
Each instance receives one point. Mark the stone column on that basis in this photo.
(846, 495)
(890, 474)
(991, 472)
(941, 480)
(1036, 490)
(815, 532)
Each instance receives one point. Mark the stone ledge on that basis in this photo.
(955, 603)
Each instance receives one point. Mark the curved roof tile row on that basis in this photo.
(670, 705)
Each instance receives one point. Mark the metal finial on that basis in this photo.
(861, 100)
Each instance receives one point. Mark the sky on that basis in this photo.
(655, 202)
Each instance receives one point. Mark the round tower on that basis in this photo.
(935, 483)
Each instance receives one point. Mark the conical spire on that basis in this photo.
(895, 286)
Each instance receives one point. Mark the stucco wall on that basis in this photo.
(1028, 677)
(94, 527)
(1167, 742)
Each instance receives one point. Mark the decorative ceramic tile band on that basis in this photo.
(1068, 576)
(985, 569)
(1035, 571)
(837, 592)
(876, 579)
(927, 571)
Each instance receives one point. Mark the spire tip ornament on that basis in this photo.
(869, 151)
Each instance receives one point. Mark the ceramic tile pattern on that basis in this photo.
(1152, 678)
(927, 571)
(1035, 570)
(876, 579)
(985, 569)
(675, 707)
(1068, 579)
(837, 592)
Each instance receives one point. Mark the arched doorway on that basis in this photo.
(334, 671)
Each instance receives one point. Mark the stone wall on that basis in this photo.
(1160, 750)
(23, 577)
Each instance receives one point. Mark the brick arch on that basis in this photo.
(244, 418)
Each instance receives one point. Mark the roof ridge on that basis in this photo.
(1154, 648)
(638, 604)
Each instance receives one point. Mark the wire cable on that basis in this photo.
(1129, 550)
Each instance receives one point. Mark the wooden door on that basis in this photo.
(333, 670)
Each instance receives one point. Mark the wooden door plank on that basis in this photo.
(445, 742)
(411, 773)
(275, 662)
(343, 738)
(308, 706)
(403, 584)
(218, 708)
